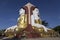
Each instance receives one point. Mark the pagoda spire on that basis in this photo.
(29, 4)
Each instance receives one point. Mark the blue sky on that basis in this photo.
(49, 11)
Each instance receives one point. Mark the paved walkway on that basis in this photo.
(55, 38)
(42, 39)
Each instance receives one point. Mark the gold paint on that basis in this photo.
(38, 21)
(41, 30)
(33, 27)
(22, 23)
(9, 34)
(38, 29)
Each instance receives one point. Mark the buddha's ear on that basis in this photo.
(21, 11)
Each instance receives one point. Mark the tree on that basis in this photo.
(44, 23)
(57, 28)
(2, 32)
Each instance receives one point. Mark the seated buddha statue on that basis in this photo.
(22, 20)
(35, 20)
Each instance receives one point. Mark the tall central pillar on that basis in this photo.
(28, 8)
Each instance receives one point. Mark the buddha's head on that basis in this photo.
(36, 11)
(21, 11)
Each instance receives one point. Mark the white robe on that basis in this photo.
(36, 24)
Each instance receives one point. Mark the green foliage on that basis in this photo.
(44, 23)
(2, 32)
(57, 28)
